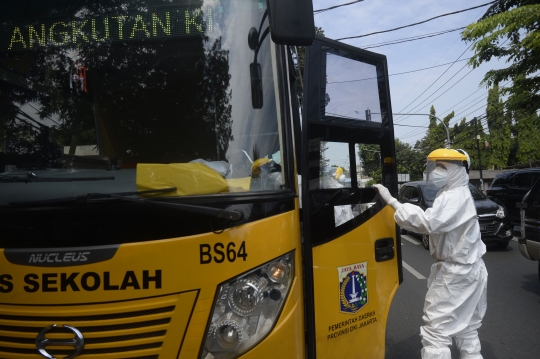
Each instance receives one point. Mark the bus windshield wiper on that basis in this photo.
(234, 216)
(32, 177)
(88, 197)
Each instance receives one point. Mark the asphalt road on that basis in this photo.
(511, 326)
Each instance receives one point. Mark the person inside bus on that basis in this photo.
(456, 299)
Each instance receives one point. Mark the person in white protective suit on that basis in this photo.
(457, 286)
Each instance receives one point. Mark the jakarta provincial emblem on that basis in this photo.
(353, 293)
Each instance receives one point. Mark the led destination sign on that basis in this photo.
(159, 24)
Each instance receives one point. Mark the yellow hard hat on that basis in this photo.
(339, 172)
(459, 157)
(446, 154)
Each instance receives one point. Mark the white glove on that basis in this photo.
(387, 197)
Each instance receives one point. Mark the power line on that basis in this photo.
(414, 38)
(416, 132)
(502, 86)
(399, 73)
(427, 68)
(476, 109)
(433, 83)
(461, 136)
(425, 74)
(474, 104)
(483, 121)
(410, 126)
(427, 98)
(458, 137)
(481, 118)
(466, 98)
(50, 118)
(442, 85)
(316, 12)
(417, 23)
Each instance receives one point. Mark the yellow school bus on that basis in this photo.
(167, 191)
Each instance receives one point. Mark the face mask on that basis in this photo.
(439, 177)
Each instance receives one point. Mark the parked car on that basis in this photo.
(529, 242)
(495, 227)
(508, 189)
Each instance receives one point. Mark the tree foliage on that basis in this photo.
(410, 160)
(502, 138)
(510, 29)
(500, 131)
(370, 157)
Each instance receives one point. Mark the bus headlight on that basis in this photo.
(247, 308)
(500, 212)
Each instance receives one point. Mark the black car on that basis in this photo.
(508, 189)
(529, 242)
(495, 226)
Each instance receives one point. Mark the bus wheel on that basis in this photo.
(425, 241)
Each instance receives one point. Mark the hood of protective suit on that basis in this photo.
(457, 176)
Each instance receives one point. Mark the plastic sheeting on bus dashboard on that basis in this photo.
(188, 178)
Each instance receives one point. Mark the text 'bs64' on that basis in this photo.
(222, 252)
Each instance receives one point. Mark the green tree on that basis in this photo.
(410, 160)
(527, 135)
(370, 156)
(436, 136)
(499, 138)
(510, 29)
(464, 137)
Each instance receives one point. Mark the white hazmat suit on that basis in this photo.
(456, 298)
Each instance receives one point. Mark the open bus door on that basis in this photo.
(352, 256)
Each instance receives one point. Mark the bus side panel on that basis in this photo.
(350, 321)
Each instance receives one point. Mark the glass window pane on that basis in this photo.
(354, 98)
(407, 193)
(368, 159)
(335, 165)
(522, 181)
(158, 88)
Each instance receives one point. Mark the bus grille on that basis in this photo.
(139, 329)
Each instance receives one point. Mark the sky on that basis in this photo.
(411, 93)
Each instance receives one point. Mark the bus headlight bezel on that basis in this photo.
(247, 308)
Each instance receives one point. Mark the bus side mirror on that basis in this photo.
(292, 22)
(256, 85)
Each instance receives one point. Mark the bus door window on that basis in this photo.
(340, 194)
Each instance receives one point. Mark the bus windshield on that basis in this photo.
(117, 96)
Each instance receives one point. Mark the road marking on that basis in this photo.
(410, 240)
(413, 271)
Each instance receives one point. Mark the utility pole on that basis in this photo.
(475, 120)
